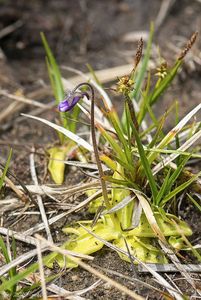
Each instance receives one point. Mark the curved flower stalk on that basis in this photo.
(67, 105)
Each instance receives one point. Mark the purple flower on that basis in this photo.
(71, 100)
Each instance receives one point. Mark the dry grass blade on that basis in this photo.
(9, 110)
(39, 199)
(58, 190)
(150, 216)
(64, 293)
(10, 205)
(78, 164)
(132, 279)
(93, 271)
(10, 28)
(170, 268)
(120, 205)
(16, 106)
(134, 36)
(18, 236)
(41, 270)
(44, 189)
(23, 99)
(81, 188)
(173, 156)
(172, 133)
(15, 188)
(66, 132)
(104, 76)
(19, 260)
(40, 227)
(169, 252)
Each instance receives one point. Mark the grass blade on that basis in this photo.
(145, 163)
(66, 132)
(5, 169)
(54, 71)
(179, 189)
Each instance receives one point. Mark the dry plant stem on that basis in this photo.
(24, 197)
(41, 270)
(74, 295)
(132, 279)
(39, 198)
(132, 112)
(15, 189)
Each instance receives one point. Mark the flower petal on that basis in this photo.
(63, 106)
(69, 103)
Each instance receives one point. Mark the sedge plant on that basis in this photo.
(146, 172)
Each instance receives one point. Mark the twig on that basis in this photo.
(9, 29)
(15, 189)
